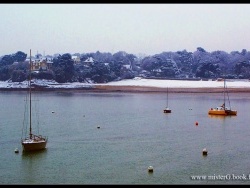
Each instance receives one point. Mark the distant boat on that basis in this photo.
(167, 109)
(223, 110)
(31, 142)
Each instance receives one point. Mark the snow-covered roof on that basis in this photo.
(90, 59)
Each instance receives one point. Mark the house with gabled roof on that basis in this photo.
(39, 63)
(89, 60)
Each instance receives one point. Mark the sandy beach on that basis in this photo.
(110, 88)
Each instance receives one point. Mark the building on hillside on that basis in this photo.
(127, 66)
(40, 63)
(76, 59)
(89, 61)
(49, 61)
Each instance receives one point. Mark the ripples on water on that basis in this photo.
(134, 133)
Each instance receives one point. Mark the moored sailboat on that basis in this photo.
(167, 109)
(223, 109)
(32, 141)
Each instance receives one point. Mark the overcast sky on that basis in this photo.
(134, 28)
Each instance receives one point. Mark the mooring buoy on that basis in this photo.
(204, 151)
(150, 169)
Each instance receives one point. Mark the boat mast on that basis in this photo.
(229, 105)
(29, 84)
(167, 96)
(224, 104)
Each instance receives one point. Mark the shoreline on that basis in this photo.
(136, 85)
(110, 88)
(136, 89)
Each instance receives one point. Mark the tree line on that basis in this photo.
(108, 67)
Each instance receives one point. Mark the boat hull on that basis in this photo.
(167, 111)
(34, 146)
(231, 112)
(222, 112)
(34, 143)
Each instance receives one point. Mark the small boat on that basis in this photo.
(167, 109)
(223, 110)
(31, 142)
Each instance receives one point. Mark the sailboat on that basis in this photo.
(223, 109)
(167, 109)
(32, 141)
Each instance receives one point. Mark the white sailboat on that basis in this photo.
(167, 109)
(31, 141)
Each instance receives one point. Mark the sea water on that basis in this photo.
(112, 138)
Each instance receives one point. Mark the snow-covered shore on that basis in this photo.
(181, 83)
(137, 84)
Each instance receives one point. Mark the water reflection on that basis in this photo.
(31, 154)
(220, 116)
(32, 165)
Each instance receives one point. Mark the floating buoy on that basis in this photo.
(150, 169)
(204, 151)
(196, 123)
(16, 150)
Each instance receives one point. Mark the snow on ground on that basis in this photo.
(134, 82)
(181, 83)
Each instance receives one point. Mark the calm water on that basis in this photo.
(134, 133)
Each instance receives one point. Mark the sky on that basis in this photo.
(147, 29)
